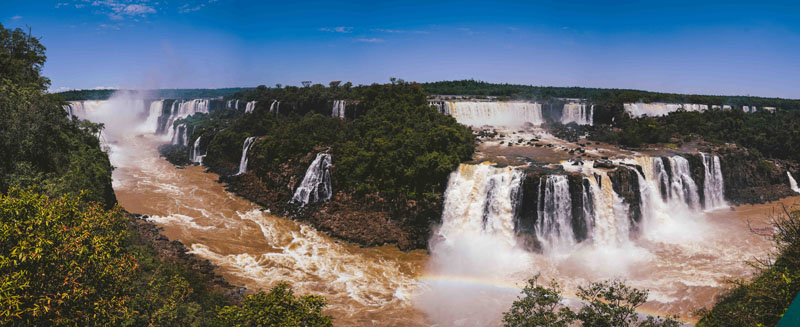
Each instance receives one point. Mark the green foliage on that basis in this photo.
(604, 304)
(40, 145)
(277, 308)
(539, 306)
(764, 300)
(396, 145)
(62, 262)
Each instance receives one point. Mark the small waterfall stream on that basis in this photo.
(793, 183)
(316, 185)
(248, 143)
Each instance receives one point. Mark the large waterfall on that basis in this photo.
(316, 185)
(554, 228)
(248, 143)
(714, 187)
(338, 109)
(577, 113)
(683, 186)
(793, 183)
(510, 114)
(250, 107)
(151, 124)
(184, 109)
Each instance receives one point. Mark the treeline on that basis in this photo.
(69, 256)
(394, 145)
(596, 95)
(771, 135)
(78, 95)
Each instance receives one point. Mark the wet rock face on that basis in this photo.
(750, 179)
(625, 182)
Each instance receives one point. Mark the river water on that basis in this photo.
(469, 281)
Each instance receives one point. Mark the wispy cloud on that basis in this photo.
(17, 17)
(370, 40)
(396, 31)
(338, 29)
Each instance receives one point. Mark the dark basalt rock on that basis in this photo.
(625, 182)
(751, 179)
(176, 154)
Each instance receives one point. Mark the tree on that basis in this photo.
(539, 306)
(62, 262)
(22, 58)
(278, 308)
(604, 304)
(306, 83)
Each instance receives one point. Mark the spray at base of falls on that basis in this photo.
(248, 143)
(316, 185)
(793, 183)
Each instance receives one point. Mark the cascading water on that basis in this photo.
(248, 143)
(577, 113)
(554, 228)
(275, 106)
(714, 188)
(179, 135)
(338, 109)
(185, 109)
(683, 186)
(316, 185)
(196, 155)
(151, 124)
(793, 183)
(660, 109)
(250, 107)
(512, 114)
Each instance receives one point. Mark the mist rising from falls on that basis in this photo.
(248, 143)
(577, 113)
(316, 185)
(793, 183)
(508, 114)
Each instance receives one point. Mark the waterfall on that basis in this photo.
(714, 189)
(275, 106)
(577, 113)
(480, 200)
(185, 109)
(656, 109)
(250, 107)
(611, 223)
(683, 186)
(151, 124)
(793, 183)
(248, 143)
(512, 114)
(179, 136)
(554, 227)
(316, 185)
(338, 109)
(440, 107)
(195, 156)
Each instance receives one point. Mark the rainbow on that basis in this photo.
(516, 286)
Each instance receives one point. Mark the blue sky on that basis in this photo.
(688, 47)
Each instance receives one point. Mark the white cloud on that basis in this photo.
(338, 29)
(387, 30)
(137, 9)
(370, 40)
(17, 17)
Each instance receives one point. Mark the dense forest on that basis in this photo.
(103, 94)
(69, 256)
